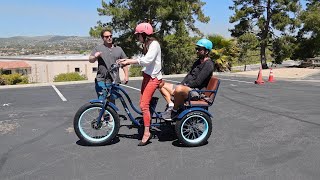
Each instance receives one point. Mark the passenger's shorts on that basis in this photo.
(194, 94)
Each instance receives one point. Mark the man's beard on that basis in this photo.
(201, 56)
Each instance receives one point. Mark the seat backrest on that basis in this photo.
(212, 85)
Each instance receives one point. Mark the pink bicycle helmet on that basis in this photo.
(144, 28)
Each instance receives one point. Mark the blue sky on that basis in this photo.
(75, 17)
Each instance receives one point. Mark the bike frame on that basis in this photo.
(113, 92)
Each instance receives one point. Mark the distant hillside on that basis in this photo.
(24, 45)
(18, 40)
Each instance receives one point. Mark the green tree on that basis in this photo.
(309, 35)
(263, 17)
(167, 17)
(282, 48)
(179, 51)
(246, 42)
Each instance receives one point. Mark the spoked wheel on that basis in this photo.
(194, 128)
(90, 131)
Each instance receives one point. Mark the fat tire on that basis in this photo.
(88, 141)
(180, 123)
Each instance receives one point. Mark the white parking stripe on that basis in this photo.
(130, 87)
(59, 93)
(219, 78)
(179, 82)
(237, 81)
(171, 81)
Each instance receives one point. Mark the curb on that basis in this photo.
(164, 76)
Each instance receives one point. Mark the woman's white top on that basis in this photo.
(151, 62)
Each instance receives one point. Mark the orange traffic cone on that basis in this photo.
(271, 76)
(259, 78)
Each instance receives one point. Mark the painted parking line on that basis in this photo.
(130, 87)
(221, 79)
(179, 82)
(59, 93)
(237, 81)
(172, 81)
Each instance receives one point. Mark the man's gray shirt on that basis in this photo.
(107, 58)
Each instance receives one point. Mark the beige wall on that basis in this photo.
(38, 71)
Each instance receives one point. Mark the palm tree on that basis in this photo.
(223, 53)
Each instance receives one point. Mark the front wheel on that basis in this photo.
(90, 131)
(194, 128)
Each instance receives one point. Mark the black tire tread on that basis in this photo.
(90, 105)
(178, 127)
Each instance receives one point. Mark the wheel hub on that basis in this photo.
(96, 125)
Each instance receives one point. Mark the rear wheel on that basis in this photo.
(90, 131)
(194, 128)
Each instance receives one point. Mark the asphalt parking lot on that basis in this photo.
(269, 131)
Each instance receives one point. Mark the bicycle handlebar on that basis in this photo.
(114, 67)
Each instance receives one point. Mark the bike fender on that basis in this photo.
(113, 106)
(96, 101)
(183, 113)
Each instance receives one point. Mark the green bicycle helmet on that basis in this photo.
(205, 43)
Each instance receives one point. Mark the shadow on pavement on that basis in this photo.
(82, 143)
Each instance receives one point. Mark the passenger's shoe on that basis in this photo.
(169, 115)
(168, 108)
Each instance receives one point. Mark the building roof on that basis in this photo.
(13, 64)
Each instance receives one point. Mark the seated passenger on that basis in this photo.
(197, 78)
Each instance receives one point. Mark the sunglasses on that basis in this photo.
(200, 48)
(107, 36)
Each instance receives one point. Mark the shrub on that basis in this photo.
(24, 80)
(12, 79)
(135, 71)
(69, 77)
(2, 81)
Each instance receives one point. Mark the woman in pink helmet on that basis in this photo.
(152, 76)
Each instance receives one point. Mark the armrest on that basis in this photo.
(200, 92)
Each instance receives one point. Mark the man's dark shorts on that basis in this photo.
(194, 94)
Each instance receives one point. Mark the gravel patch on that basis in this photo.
(287, 73)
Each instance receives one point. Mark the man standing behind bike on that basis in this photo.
(197, 78)
(107, 54)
